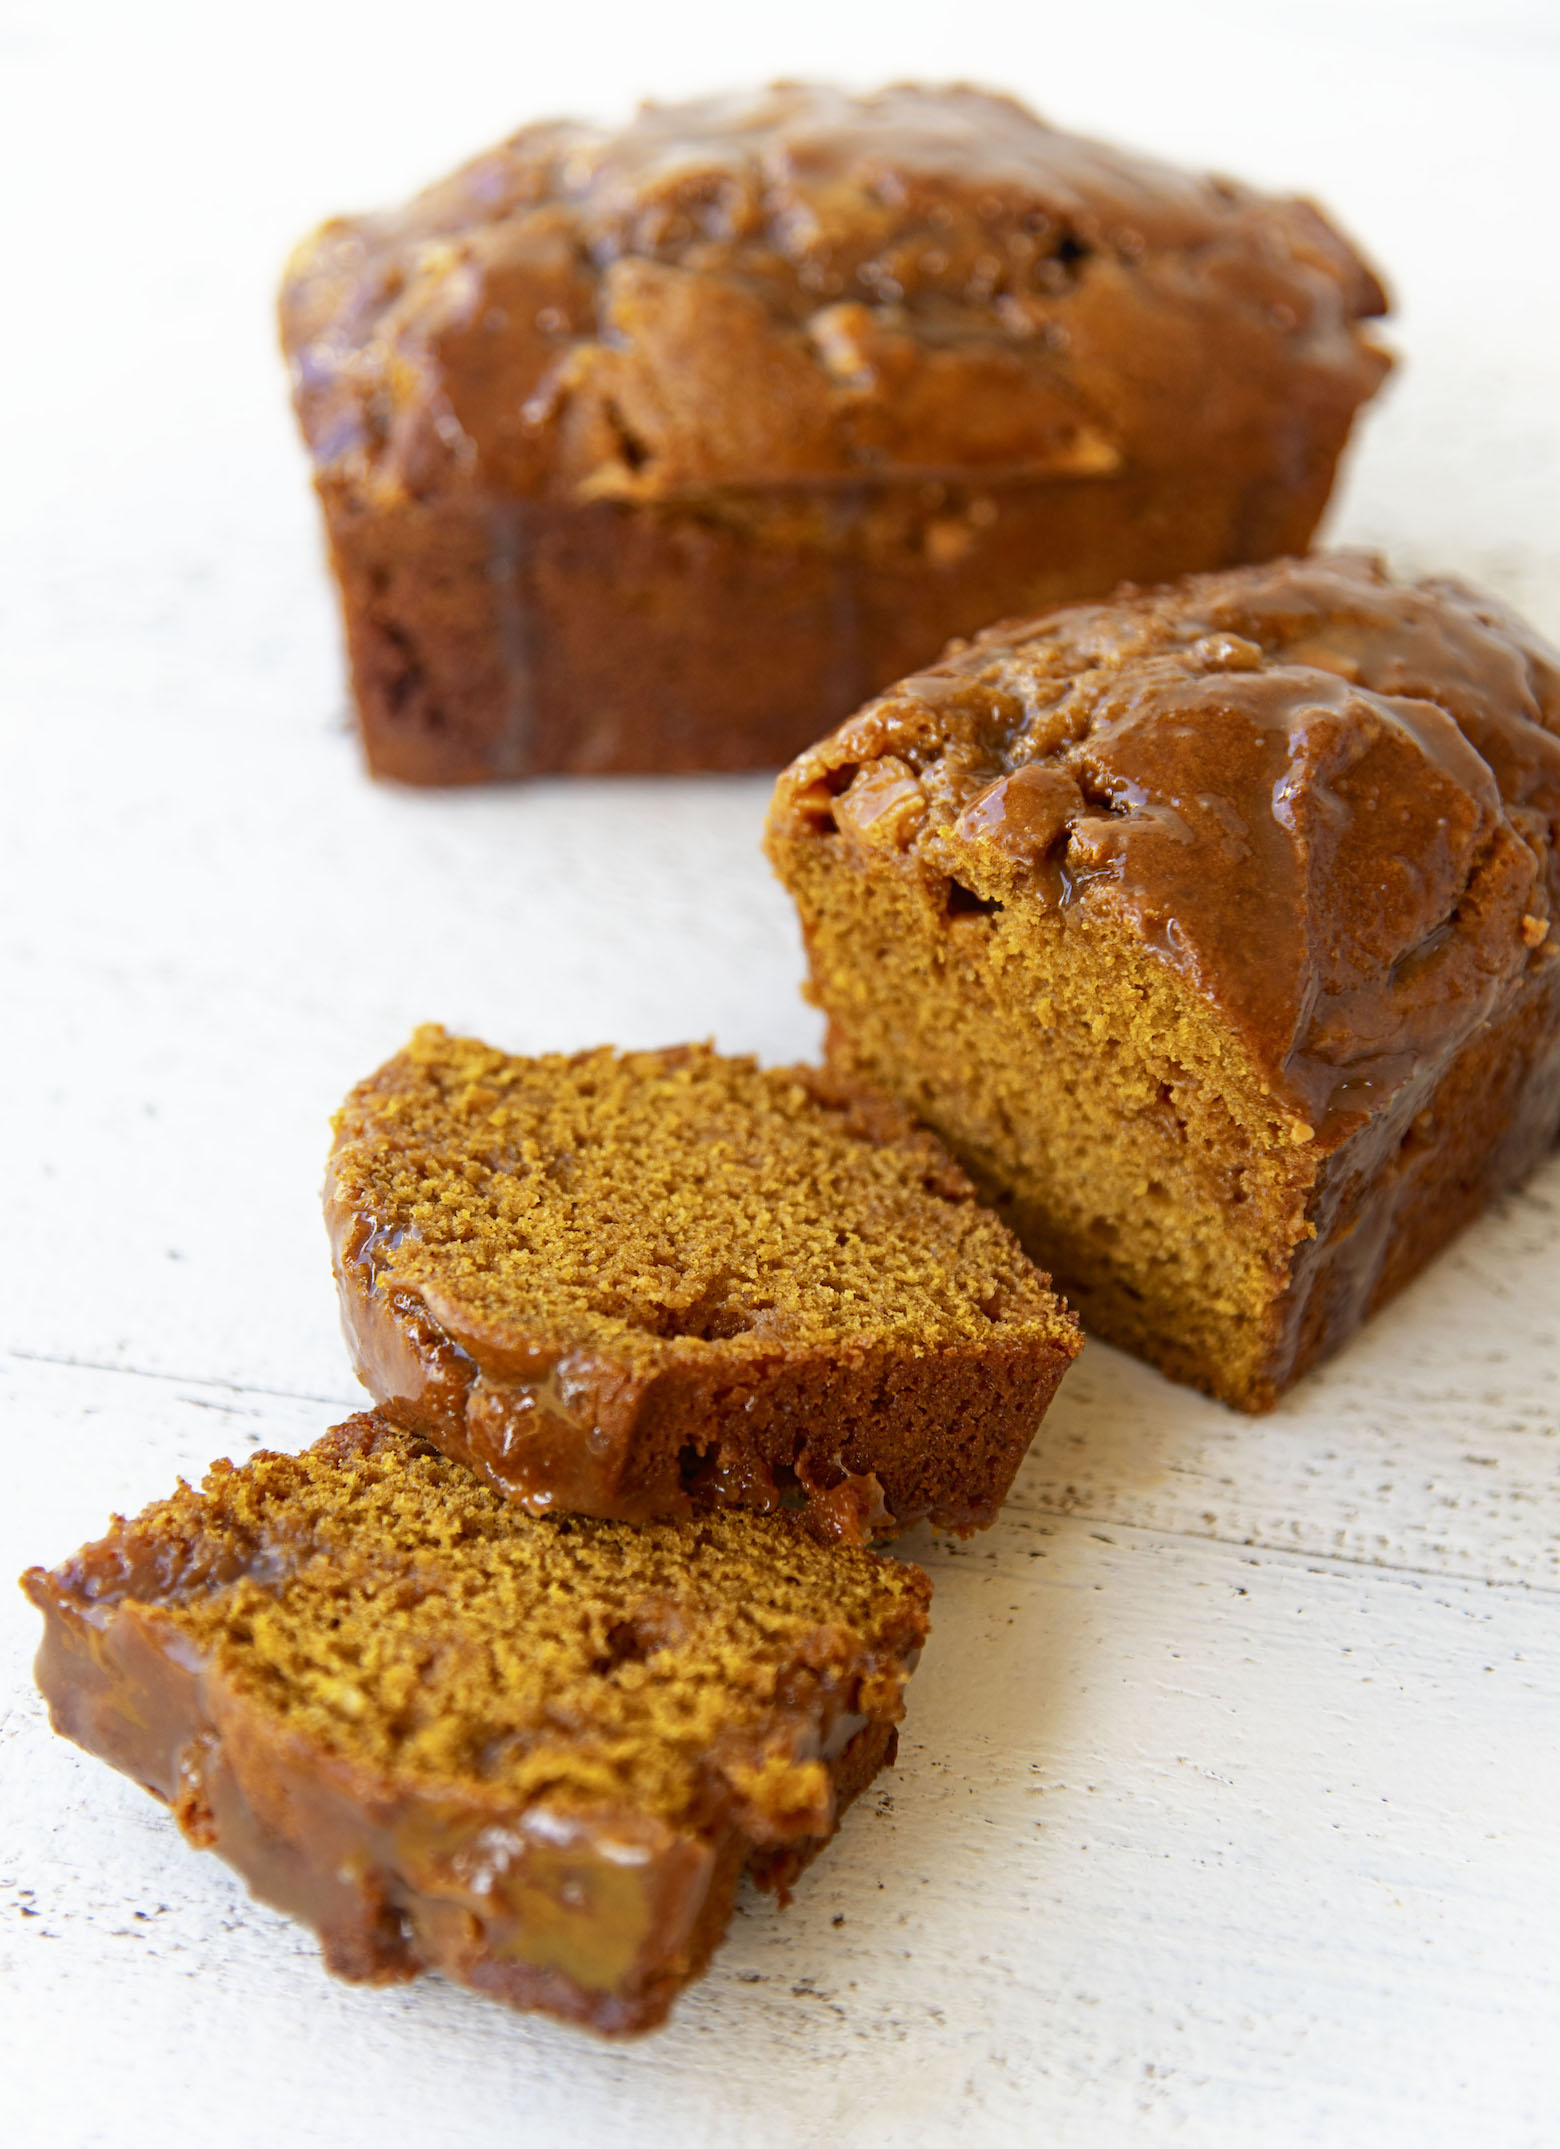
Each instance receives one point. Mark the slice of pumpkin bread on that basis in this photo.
(536, 1755)
(616, 1284)
(1214, 930)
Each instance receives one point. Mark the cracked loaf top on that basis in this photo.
(798, 285)
(1332, 801)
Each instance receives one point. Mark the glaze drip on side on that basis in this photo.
(1331, 801)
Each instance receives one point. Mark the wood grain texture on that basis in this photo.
(1226, 1808)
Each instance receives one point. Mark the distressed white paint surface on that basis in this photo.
(1227, 1801)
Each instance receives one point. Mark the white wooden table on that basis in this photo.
(1229, 1800)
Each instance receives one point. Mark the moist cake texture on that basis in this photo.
(662, 448)
(536, 1755)
(615, 1284)
(1214, 930)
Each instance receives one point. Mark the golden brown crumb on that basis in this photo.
(616, 1282)
(386, 1607)
(662, 1203)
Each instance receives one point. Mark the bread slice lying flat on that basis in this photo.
(536, 1755)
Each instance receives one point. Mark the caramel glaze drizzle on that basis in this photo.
(927, 283)
(1330, 801)
(568, 1432)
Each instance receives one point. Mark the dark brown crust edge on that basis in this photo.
(869, 1440)
(616, 1910)
(1389, 1201)
(492, 639)
(870, 1443)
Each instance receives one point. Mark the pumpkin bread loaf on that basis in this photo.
(618, 1284)
(535, 1755)
(662, 448)
(1214, 929)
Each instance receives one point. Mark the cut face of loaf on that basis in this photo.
(621, 1284)
(535, 1755)
(1213, 930)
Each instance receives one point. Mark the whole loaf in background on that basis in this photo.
(663, 448)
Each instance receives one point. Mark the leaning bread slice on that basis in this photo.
(616, 1284)
(534, 1754)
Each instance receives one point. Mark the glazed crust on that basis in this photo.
(1327, 805)
(589, 413)
(600, 1913)
(1330, 800)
